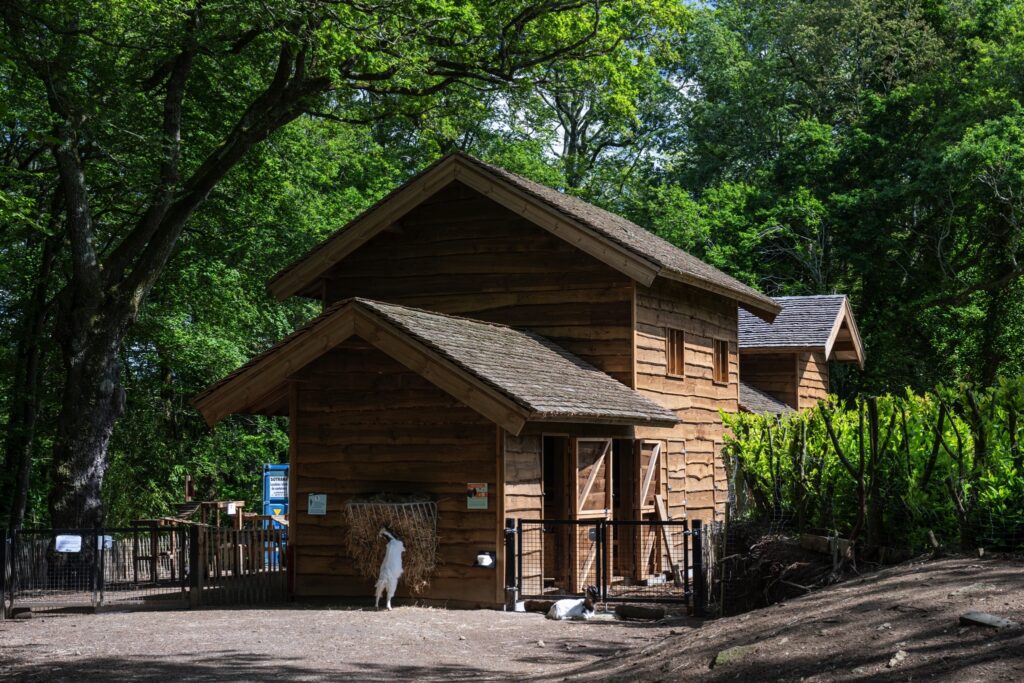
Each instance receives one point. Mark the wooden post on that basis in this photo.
(154, 553)
(699, 589)
(195, 566)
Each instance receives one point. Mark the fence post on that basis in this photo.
(195, 568)
(3, 576)
(510, 563)
(686, 555)
(101, 576)
(519, 555)
(699, 589)
(606, 577)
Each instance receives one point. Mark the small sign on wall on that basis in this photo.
(317, 504)
(476, 496)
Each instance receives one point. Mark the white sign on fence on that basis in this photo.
(68, 544)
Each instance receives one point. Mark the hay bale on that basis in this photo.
(412, 520)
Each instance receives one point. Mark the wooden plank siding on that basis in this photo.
(798, 379)
(811, 379)
(366, 425)
(772, 373)
(462, 253)
(696, 484)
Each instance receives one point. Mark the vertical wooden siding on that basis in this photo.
(461, 253)
(696, 474)
(365, 425)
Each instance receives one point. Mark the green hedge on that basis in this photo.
(886, 470)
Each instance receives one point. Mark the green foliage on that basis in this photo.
(865, 147)
(948, 461)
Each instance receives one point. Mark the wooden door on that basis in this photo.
(590, 500)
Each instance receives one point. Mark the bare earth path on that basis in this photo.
(848, 632)
(297, 644)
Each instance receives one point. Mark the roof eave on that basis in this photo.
(776, 348)
(634, 421)
(764, 307)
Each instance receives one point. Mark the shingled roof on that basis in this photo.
(629, 247)
(821, 322)
(539, 380)
(753, 400)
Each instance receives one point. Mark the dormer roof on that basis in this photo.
(822, 323)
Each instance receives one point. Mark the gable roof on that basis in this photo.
(508, 375)
(620, 243)
(822, 322)
(753, 400)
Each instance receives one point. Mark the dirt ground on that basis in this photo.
(308, 643)
(853, 632)
(848, 632)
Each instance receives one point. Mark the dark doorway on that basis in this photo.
(556, 497)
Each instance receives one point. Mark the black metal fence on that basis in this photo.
(56, 568)
(151, 567)
(627, 561)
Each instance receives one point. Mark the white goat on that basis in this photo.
(390, 568)
(575, 608)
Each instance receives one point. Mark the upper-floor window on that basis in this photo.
(720, 369)
(675, 354)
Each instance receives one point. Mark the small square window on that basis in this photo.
(721, 361)
(675, 354)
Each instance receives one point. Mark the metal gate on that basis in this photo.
(628, 561)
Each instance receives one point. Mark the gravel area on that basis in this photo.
(307, 643)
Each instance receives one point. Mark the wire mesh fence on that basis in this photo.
(627, 561)
(76, 567)
(152, 567)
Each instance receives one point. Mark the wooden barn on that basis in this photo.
(785, 363)
(481, 332)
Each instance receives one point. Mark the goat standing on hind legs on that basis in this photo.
(390, 568)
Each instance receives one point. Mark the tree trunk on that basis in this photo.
(93, 400)
(992, 353)
(19, 443)
(875, 506)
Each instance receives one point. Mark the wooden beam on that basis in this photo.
(649, 475)
(593, 474)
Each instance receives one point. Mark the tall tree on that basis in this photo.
(151, 105)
